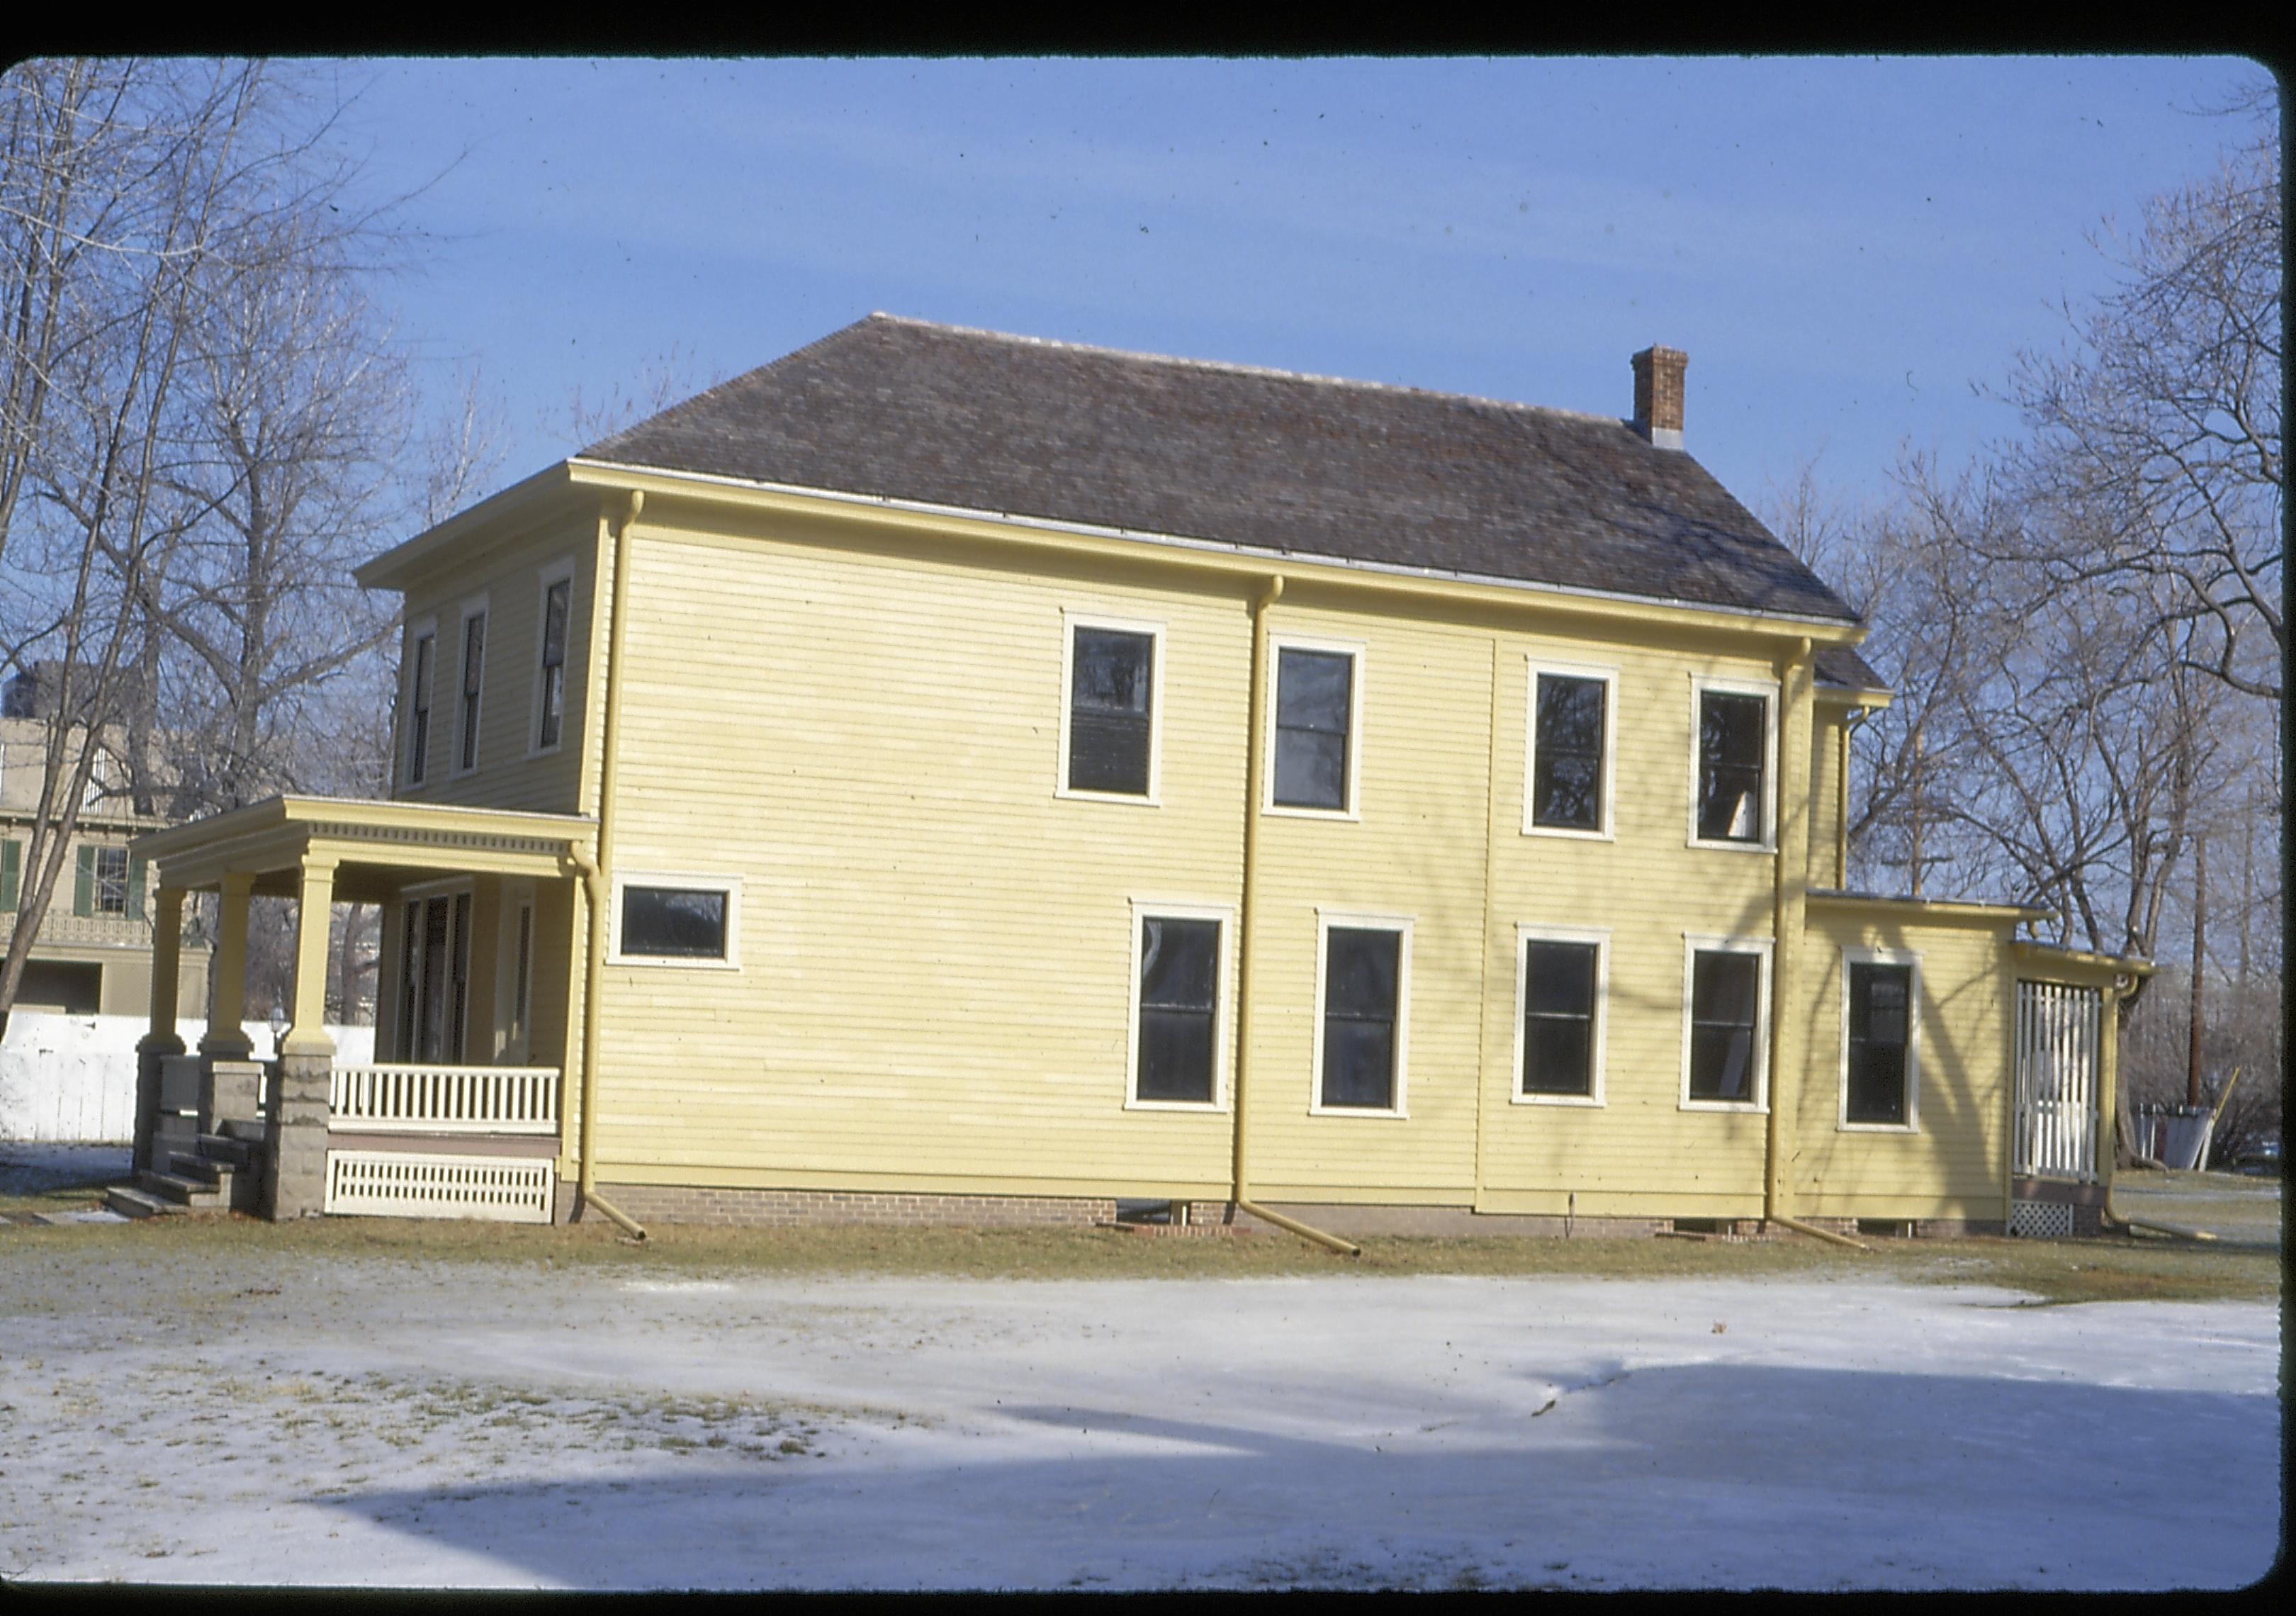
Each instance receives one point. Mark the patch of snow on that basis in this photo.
(394, 1423)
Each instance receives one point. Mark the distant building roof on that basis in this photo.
(1262, 459)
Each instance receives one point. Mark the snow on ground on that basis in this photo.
(379, 1422)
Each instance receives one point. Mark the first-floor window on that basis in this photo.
(1725, 993)
(1179, 1006)
(1559, 989)
(105, 880)
(674, 923)
(1880, 1035)
(1362, 982)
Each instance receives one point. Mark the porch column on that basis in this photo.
(315, 897)
(225, 1038)
(295, 1176)
(161, 1041)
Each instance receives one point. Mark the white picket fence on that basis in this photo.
(407, 1098)
(2059, 1036)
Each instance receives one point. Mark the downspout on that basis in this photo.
(594, 881)
(1786, 930)
(1254, 776)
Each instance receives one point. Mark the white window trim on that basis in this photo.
(1884, 956)
(560, 571)
(1700, 683)
(416, 633)
(475, 607)
(1277, 644)
(1356, 920)
(1609, 676)
(1525, 934)
(1223, 1036)
(1070, 622)
(1695, 944)
(684, 880)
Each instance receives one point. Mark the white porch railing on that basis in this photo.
(2058, 1032)
(427, 1099)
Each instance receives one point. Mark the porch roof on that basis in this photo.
(375, 845)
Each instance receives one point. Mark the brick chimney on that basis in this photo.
(1658, 395)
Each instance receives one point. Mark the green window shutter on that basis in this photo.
(12, 870)
(83, 883)
(135, 888)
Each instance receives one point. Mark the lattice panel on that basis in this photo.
(389, 1184)
(2041, 1219)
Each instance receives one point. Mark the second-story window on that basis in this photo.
(418, 709)
(1732, 758)
(474, 656)
(1570, 732)
(557, 601)
(1112, 714)
(1314, 712)
(105, 880)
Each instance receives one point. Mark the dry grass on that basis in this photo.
(2114, 1269)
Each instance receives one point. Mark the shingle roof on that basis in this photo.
(1263, 459)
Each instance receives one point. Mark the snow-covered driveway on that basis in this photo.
(385, 1421)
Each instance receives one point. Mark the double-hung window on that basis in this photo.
(1726, 1024)
(1561, 978)
(1109, 722)
(1571, 726)
(550, 683)
(1361, 997)
(1318, 710)
(1177, 1026)
(466, 716)
(1877, 1053)
(418, 705)
(1734, 744)
(105, 880)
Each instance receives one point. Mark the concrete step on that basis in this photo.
(200, 1170)
(242, 1129)
(224, 1148)
(135, 1203)
(185, 1192)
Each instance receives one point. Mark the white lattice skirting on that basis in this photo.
(2041, 1219)
(389, 1184)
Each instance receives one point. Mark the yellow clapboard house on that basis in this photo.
(947, 776)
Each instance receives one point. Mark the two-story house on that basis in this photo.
(93, 954)
(950, 774)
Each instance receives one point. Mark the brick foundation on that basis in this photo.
(805, 1209)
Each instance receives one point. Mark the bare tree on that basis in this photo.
(2161, 422)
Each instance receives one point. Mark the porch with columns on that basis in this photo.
(294, 1109)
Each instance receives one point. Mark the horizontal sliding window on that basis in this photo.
(674, 923)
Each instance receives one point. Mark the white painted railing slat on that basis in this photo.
(404, 1097)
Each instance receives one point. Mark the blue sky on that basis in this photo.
(1843, 246)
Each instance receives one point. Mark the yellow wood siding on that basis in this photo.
(509, 773)
(1825, 797)
(1953, 1163)
(860, 728)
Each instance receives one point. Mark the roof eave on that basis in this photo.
(603, 473)
(395, 566)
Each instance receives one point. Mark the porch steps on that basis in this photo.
(198, 1180)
